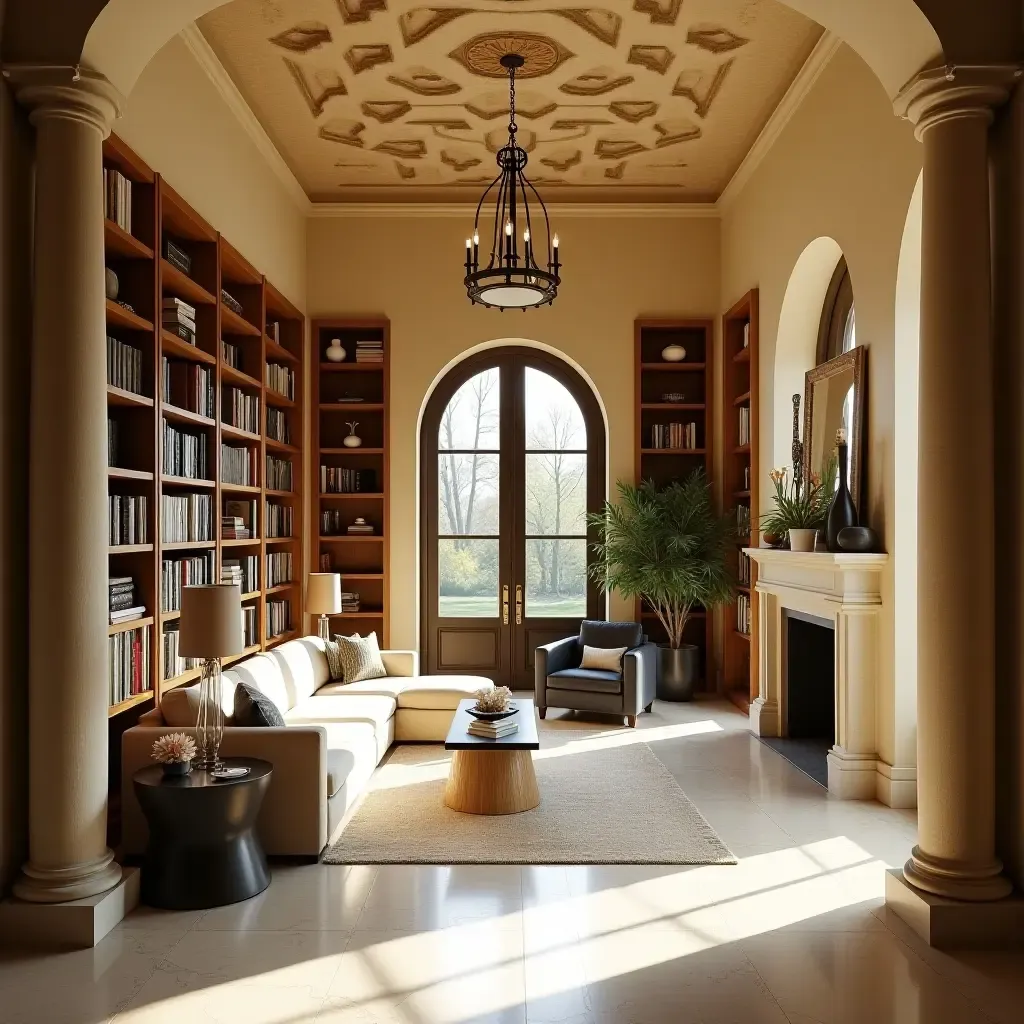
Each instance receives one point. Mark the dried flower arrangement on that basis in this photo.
(174, 748)
(493, 700)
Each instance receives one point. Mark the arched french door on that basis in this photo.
(512, 458)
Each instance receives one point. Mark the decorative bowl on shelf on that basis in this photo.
(673, 353)
(495, 716)
(861, 539)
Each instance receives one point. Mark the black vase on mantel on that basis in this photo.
(842, 512)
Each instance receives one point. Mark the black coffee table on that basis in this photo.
(202, 849)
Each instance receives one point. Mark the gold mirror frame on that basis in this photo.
(855, 360)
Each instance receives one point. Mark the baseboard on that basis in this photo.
(895, 786)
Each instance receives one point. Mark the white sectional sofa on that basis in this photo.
(335, 734)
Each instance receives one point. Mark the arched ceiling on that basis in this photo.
(627, 98)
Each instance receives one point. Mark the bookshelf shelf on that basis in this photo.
(674, 402)
(281, 638)
(362, 575)
(346, 539)
(118, 242)
(182, 679)
(248, 542)
(237, 434)
(276, 353)
(124, 627)
(127, 399)
(350, 495)
(118, 316)
(280, 446)
(282, 587)
(172, 345)
(239, 488)
(350, 367)
(188, 481)
(279, 494)
(280, 540)
(233, 324)
(740, 386)
(131, 702)
(128, 549)
(182, 286)
(361, 450)
(352, 407)
(229, 375)
(369, 613)
(276, 398)
(188, 545)
(184, 416)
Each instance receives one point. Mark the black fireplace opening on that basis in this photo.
(810, 704)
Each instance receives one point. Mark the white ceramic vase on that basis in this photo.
(802, 540)
(673, 353)
(353, 440)
(335, 353)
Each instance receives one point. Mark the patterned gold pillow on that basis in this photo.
(360, 658)
(333, 651)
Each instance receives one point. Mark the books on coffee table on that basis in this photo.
(493, 730)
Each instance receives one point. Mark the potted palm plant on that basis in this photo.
(801, 508)
(670, 548)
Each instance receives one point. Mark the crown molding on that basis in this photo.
(824, 50)
(218, 75)
(679, 211)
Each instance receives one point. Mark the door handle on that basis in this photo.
(519, 604)
(504, 604)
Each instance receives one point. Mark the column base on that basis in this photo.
(895, 786)
(954, 924)
(852, 776)
(764, 717)
(955, 880)
(63, 885)
(78, 924)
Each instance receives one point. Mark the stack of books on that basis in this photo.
(124, 366)
(230, 301)
(179, 318)
(349, 602)
(233, 528)
(117, 198)
(177, 256)
(369, 351)
(241, 572)
(243, 519)
(493, 730)
(360, 526)
(122, 601)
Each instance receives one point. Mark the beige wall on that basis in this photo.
(843, 167)
(409, 269)
(178, 122)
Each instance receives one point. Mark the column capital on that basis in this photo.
(955, 91)
(66, 93)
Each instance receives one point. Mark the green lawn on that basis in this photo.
(487, 607)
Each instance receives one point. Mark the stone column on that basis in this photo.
(955, 856)
(68, 854)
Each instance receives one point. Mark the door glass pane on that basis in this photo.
(553, 419)
(467, 578)
(467, 494)
(556, 494)
(471, 419)
(556, 578)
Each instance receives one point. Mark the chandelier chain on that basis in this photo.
(512, 126)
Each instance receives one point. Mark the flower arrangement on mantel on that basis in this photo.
(175, 751)
(493, 701)
(798, 505)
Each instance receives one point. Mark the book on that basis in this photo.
(127, 614)
(186, 334)
(177, 256)
(230, 301)
(493, 730)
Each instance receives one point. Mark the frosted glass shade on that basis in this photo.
(211, 621)
(323, 593)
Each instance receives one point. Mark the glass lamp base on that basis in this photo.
(210, 721)
(324, 628)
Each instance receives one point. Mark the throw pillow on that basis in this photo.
(253, 708)
(180, 707)
(607, 659)
(360, 658)
(333, 651)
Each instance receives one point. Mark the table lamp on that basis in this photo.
(323, 598)
(211, 629)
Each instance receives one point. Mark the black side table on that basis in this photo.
(202, 849)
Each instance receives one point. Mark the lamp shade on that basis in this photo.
(211, 621)
(323, 593)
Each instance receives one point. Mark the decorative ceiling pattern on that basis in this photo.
(635, 99)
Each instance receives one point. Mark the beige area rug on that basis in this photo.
(600, 804)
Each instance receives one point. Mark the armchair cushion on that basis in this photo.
(594, 633)
(591, 680)
(609, 659)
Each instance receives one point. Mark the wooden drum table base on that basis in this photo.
(491, 782)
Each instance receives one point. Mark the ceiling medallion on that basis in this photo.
(512, 278)
(482, 55)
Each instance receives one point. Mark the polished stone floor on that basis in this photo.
(796, 932)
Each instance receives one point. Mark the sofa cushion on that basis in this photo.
(590, 680)
(440, 693)
(594, 633)
(353, 751)
(389, 686)
(321, 709)
(254, 709)
(303, 666)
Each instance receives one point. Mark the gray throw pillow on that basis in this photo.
(255, 709)
(360, 658)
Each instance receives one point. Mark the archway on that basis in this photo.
(512, 458)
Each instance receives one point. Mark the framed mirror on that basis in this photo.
(834, 399)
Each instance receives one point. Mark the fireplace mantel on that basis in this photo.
(844, 589)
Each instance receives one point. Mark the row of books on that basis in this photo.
(178, 317)
(250, 637)
(743, 568)
(340, 480)
(238, 465)
(743, 520)
(188, 386)
(278, 521)
(280, 379)
(241, 410)
(124, 366)
(124, 606)
(243, 572)
(128, 664)
(674, 435)
(277, 426)
(238, 521)
(279, 617)
(126, 519)
(332, 523)
(117, 198)
(279, 568)
(113, 442)
(232, 354)
(173, 663)
(743, 613)
(369, 351)
(176, 573)
(743, 431)
(349, 602)
(184, 453)
(186, 518)
(279, 474)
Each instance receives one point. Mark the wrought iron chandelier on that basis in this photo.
(513, 279)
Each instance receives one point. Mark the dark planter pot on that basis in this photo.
(678, 672)
(177, 768)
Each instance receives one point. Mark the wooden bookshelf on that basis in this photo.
(675, 392)
(146, 277)
(347, 392)
(741, 482)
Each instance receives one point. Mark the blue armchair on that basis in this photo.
(561, 683)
